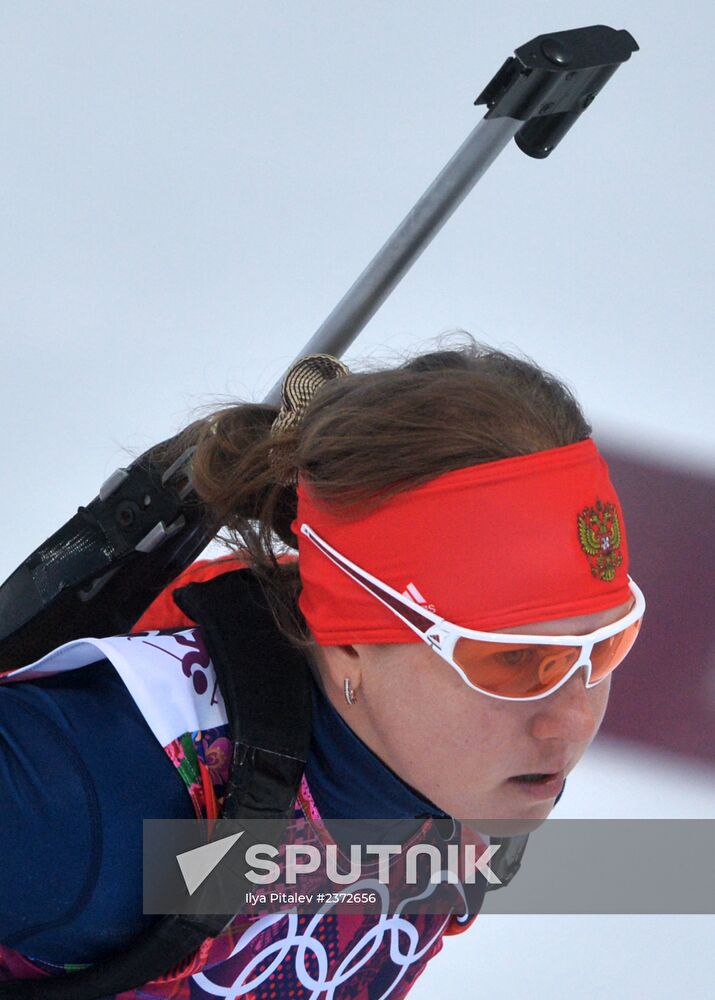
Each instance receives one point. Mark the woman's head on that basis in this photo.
(366, 440)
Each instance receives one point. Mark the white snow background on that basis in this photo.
(187, 189)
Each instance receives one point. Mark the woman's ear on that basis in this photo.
(336, 663)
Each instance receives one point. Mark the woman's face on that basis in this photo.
(461, 749)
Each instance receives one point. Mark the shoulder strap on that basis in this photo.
(265, 682)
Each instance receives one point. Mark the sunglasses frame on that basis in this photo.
(442, 635)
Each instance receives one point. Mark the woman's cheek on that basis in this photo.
(598, 697)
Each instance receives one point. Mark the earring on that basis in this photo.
(350, 696)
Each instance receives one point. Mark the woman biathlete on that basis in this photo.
(460, 595)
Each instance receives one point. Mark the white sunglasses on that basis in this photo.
(510, 667)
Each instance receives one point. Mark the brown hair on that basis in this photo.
(365, 437)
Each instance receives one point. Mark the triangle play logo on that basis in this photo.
(196, 865)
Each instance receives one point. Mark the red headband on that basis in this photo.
(504, 543)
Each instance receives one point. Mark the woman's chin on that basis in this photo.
(506, 818)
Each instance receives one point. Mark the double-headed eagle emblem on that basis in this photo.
(599, 533)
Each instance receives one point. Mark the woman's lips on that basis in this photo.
(539, 786)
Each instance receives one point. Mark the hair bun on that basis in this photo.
(300, 384)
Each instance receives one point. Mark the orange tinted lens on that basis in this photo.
(608, 653)
(511, 670)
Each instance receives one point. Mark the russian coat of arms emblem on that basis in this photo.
(599, 532)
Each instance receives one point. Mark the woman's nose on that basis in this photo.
(573, 713)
